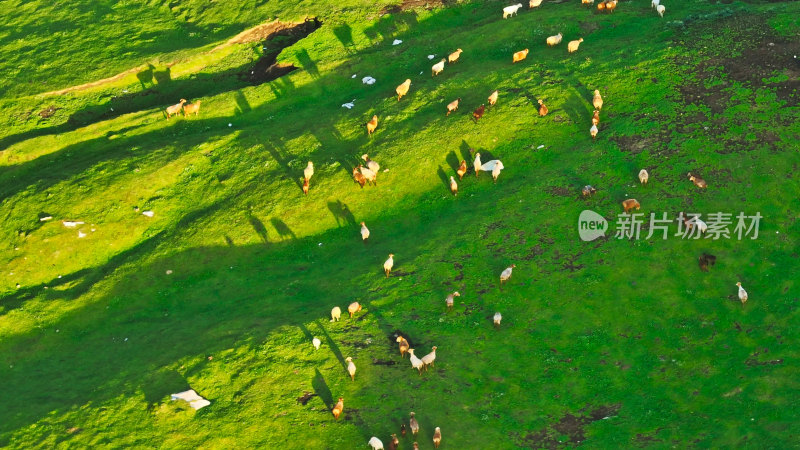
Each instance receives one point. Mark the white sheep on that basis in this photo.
(308, 172)
(660, 9)
(554, 40)
(336, 313)
(506, 274)
(316, 343)
(351, 368)
(534, 3)
(375, 443)
(430, 357)
(437, 68)
(742, 293)
(388, 264)
(449, 300)
(148, 213)
(509, 11)
(371, 165)
(497, 318)
(477, 163)
(368, 174)
(701, 225)
(654, 3)
(415, 362)
(71, 223)
(364, 232)
(593, 131)
(643, 176)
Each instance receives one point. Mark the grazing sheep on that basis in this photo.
(360, 179)
(506, 274)
(449, 300)
(742, 293)
(534, 3)
(496, 170)
(368, 174)
(337, 410)
(542, 109)
(452, 106)
(596, 117)
(191, 108)
(630, 204)
(478, 113)
(453, 57)
(429, 358)
(387, 266)
(437, 437)
(509, 11)
(437, 68)
(336, 313)
(316, 343)
(372, 125)
(305, 186)
(572, 47)
(403, 429)
(415, 362)
(699, 182)
(453, 186)
(643, 176)
(588, 190)
(402, 343)
(175, 109)
(601, 6)
(462, 170)
(493, 98)
(416, 446)
(611, 5)
(593, 131)
(413, 425)
(71, 223)
(654, 3)
(597, 101)
(308, 172)
(554, 40)
(660, 9)
(403, 89)
(394, 443)
(351, 368)
(371, 165)
(364, 232)
(353, 308)
(519, 56)
(375, 443)
(477, 164)
(704, 260)
(587, 2)
(497, 318)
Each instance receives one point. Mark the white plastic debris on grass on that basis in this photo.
(191, 397)
(349, 105)
(539, 147)
(397, 42)
(368, 80)
(354, 75)
(148, 213)
(431, 56)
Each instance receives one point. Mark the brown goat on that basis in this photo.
(462, 170)
(371, 125)
(478, 113)
(360, 179)
(630, 204)
(191, 108)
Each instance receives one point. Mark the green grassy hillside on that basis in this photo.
(613, 343)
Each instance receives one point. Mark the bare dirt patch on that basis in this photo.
(416, 4)
(570, 426)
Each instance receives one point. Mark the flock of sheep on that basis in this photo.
(367, 173)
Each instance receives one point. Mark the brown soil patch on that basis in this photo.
(48, 112)
(572, 426)
(416, 4)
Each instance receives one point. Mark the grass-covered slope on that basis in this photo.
(610, 344)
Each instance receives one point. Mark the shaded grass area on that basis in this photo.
(612, 343)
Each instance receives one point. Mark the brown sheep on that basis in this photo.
(588, 190)
(519, 56)
(337, 410)
(611, 6)
(543, 109)
(453, 186)
(572, 47)
(394, 443)
(191, 108)
(462, 170)
(360, 179)
(478, 113)
(705, 260)
(630, 204)
(305, 186)
(372, 125)
(437, 437)
(403, 344)
(597, 100)
(596, 117)
(175, 109)
(413, 425)
(699, 182)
